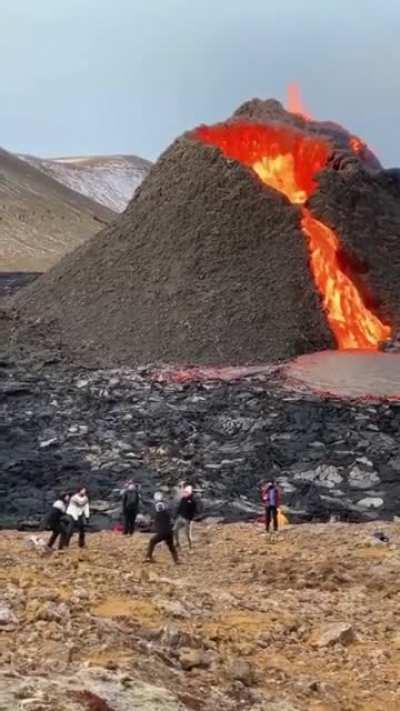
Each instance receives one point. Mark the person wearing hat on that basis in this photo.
(163, 529)
(186, 512)
(130, 507)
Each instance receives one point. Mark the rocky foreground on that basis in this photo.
(306, 620)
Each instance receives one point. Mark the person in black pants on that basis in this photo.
(130, 507)
(186, 511)
(271, 499)
(163, 530)
(78, 512)
(58, 523)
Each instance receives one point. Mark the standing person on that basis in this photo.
(164, 531)
(58, 522)
(130, 507)
(78, 510)
(186, 511)
(271, 499)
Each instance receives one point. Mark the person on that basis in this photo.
(58, 522)
(130, 506)
(186, 511)
(163, 529)
(78, 511)
(271, 499)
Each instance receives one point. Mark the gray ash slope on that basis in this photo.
(206, 265)
(61, 428)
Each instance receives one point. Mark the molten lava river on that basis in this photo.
(288, 161)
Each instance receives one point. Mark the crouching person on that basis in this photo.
(78, 512)
(163, 529)
(186, 512)
(58, 523)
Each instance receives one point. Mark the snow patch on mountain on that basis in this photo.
(109, 180)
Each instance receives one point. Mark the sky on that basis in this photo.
(85, 77)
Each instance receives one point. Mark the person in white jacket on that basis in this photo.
(78, 511)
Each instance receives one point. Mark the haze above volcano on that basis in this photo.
(101, 78)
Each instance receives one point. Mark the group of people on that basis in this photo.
(71, 513)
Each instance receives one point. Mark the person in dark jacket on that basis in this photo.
(186, 511)
(58, 522)
(130, 507)
(163, 529)
(271, 498)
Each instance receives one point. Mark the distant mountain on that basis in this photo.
(110, 180)
(41, 219)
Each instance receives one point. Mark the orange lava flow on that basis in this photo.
(356, 144)
(287, 160)
(295, 106)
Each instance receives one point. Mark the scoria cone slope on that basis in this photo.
(206, 265)
(227, 252)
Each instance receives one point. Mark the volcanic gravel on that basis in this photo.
(207, 265)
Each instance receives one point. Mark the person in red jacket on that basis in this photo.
(270, 495)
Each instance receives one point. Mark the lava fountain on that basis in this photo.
(288, 160)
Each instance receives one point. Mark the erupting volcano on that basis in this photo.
(258, 239)
(288, 161)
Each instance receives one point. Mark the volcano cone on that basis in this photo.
(210, 262)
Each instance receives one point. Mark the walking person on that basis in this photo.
(78, 511)
(163, 530)
(58, 522)
(271, 498)
(186, 512)
(130, 507)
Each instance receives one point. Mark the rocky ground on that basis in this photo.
(305, 620)
(63, 426)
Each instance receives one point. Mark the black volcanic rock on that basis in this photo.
(70, 427)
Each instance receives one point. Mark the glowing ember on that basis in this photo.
(356, 144)
(295, 104)
(287, 161)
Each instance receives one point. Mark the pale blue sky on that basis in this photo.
(127, 76)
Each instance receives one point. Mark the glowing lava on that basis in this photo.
(295, 104)
(287, 160)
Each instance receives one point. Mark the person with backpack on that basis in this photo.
(270, 495)
(185, 514)
(163, 530)
(78, 511)
(130, 507)
(58, 523)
